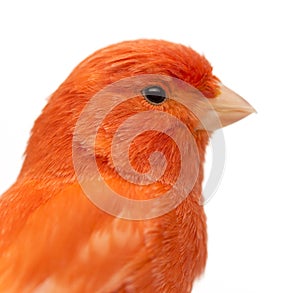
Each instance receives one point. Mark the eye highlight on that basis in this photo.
(155, 95)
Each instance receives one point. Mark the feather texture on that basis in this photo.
(54, 239)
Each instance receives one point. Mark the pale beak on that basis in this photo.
(227, 108)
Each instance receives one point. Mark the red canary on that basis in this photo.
(57, 237)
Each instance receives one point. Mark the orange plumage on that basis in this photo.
(54, 239)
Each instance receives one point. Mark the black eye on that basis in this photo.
(154, 94)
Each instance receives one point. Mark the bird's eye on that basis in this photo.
(154, 94)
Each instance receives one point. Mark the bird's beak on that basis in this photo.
(227, 108)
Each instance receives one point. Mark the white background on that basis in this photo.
(254, 219)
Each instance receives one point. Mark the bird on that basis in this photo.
(116, 133)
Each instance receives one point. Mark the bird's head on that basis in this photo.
(135, 98)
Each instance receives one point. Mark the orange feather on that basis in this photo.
(54, 239)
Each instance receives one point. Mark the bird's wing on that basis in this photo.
(66, 244)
